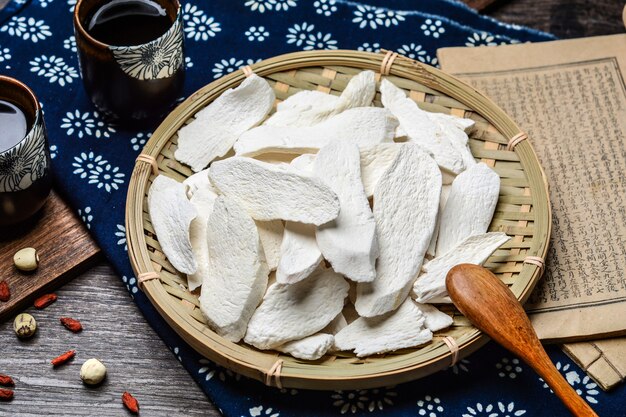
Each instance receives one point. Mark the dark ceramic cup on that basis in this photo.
(126, 81)
(25, 179)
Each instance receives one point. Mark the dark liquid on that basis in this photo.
(13, 125)
(128, 23)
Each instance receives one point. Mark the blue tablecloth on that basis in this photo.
(93, 160)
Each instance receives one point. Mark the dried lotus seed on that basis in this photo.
(26, 259)
(93, 372)
(24, 325)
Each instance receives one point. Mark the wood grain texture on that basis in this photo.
(115, 332)
(471, 288)
(64, 247)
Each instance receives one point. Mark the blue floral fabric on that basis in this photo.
(93, 161)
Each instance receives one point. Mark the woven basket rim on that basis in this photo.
(303, 374)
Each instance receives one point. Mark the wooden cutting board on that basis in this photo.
(65, 250)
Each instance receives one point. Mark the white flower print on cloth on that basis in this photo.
(72, 4)
(299, 33)
(427, 59)
(260, 5)
(139, 140)
(81, 123)
(584, 387)
(320, 41)
(54, 69)
(284, 4)
(226, 66)
(412, 50)
(206, 369)
(202, 27)
(508, 368)
(481, 39)
(103, 129)
(429, 407)
(120, 234)
(5, 54)
(369, 16)
(290, 391)
(54, 151)
(45, 3)
(361, 400)
(70, 43)
(460, 366)
(489, 410)
(176, 351)
(131, 284)
(188, 62)
(98, 171)
(190, 11)
(432, 27)
(255, 33)
(260, 411)
(325, 7)
(86, 216)
(367, 47)
(27, 28)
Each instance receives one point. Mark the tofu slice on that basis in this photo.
(349, 242)
(362, 126)
(406, 201)
(310, 348)
(295, 311)
(469, 208)
(299, 253)
(375, 159)
(270, 192)
(271, 233)
(238, 272)
(399, 329)
(476, 249)
(171, 214)
(443, 199)
(216, 127)
(359, 92)
(435, 319)
(420, 128)
(203, 200)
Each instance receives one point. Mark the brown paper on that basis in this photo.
(570, 97)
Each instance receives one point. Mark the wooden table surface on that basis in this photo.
(115, 331)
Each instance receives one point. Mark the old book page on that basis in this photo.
(570, 97)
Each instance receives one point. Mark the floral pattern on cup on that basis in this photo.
(159, 58)
(26, 162)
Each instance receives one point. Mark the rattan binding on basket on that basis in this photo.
(146, 276)
(274, 372)
(150, 160)
(454, 349)
(247, 71)
(537, 261)
(515, 140)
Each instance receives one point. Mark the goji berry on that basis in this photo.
(60, 360)
(130, 402)
(6, 394)
(71, 324)
(5, 292)
(6, 381)
(45, 300)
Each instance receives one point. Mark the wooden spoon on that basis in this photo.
(492, 308)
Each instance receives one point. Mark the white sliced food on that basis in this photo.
(435, 320)
(310, 348)
(432, 246)
(203, 199)
(304, 163)
(171, 214)
(292, 312)
(270, 192)
(359, 92)
(336, 325)
(349, 242)
(406, 202)
(420, 128)
(403, 328)
(476, 249)
(299, 253)
(216, 127)
(460, 122)
(455, 130)
(238, 272)
(362, 126)
(470, 206)
(271, 233)
(197, 181)
(447, 178)
(306, 100)
(375, 159)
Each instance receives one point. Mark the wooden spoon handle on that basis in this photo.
(492, 308)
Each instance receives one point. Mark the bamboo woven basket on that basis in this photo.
(523, 212)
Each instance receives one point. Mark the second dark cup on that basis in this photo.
(131, 55)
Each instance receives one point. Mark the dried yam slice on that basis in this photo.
(406, 202)
(403, 328)
(420, 128)
(454, 128)
(432, 246)
(299, 253)
(238, 272)
(435, 320)
(469, 208)
(292, 312)
(349, 242)
(336, 325)
(198, 180)
(270, 192)
(202, 199)
(310, 348)
(375, 159)
(294, 112)
(271, 233)
(431, 284)
(171, 214)
(216, 127)
(362, 126)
